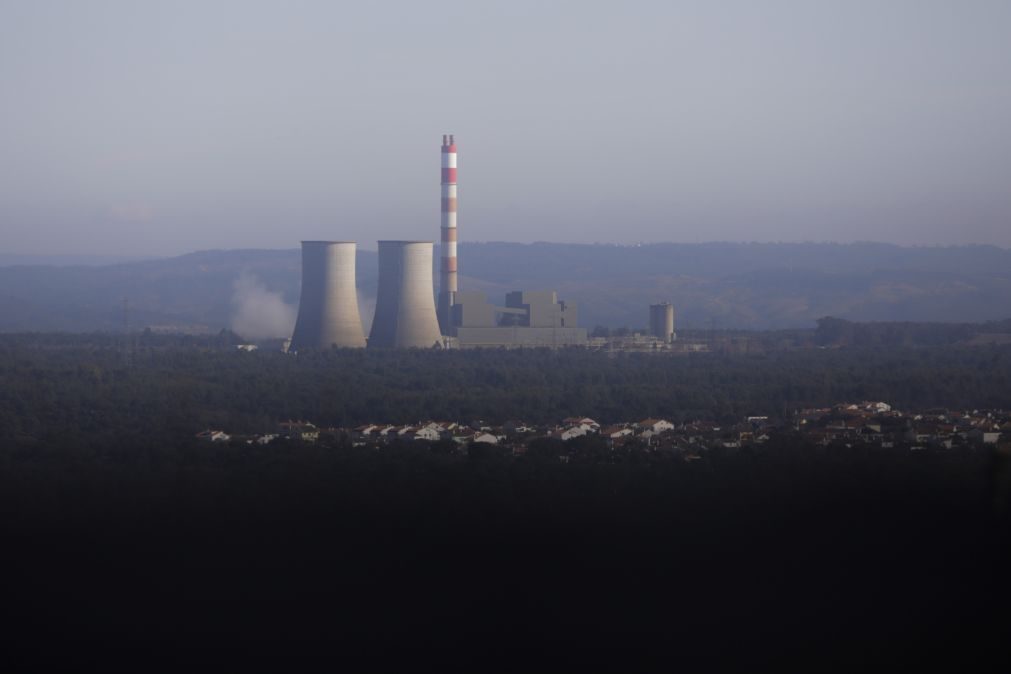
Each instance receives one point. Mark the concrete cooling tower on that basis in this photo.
(405, 303)
(328, 307)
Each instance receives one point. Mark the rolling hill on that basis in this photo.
(726, 285)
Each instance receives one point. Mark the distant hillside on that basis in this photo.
(723, 285)
(757, 285)
(10, 260)
(192, 292)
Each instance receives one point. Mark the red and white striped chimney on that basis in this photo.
(447, 276)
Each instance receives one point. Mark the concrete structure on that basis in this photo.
(405, 305)
(661, 321)
(447, 275)
(541, 309)
(328, 305)
(528, 319)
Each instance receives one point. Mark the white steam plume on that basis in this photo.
(258, 313)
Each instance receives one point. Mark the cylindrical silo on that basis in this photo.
(661, 321)
(328, 306)
(405, 302)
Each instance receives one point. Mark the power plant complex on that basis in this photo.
(407, 313)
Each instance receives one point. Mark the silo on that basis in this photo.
(405, 302)
(328, 305)
(661, 321)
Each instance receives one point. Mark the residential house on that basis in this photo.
(213, 436)
(655, 425)
(299, 430)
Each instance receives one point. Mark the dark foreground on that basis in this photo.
(278, 556)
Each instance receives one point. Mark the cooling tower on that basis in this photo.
(328, 307)
(405, 303)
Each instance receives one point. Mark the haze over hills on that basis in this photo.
(12, 260)
(724, 285)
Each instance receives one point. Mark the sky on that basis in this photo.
(137, 127)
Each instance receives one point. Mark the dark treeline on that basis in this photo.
(839, 332)
(76, 389)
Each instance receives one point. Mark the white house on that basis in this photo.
(655, 425)
(573, 432)
(429, 432)
(615, 432)
(213, 436)
(299, 430)
(587, 423)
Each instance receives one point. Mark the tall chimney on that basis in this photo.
(447, 275)
(328, 305)
(405, 309)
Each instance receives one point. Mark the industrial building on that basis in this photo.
(528, 319)
(328, 305)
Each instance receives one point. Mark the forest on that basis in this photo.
(121, 528)
(283, 554)
(62, 388)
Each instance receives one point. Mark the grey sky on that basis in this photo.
(161, 127)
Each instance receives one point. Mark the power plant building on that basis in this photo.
(405, 304)
(328, 303)
(528, 319)
(661, 321)
(406, 312)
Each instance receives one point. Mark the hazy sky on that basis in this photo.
(154, 128)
